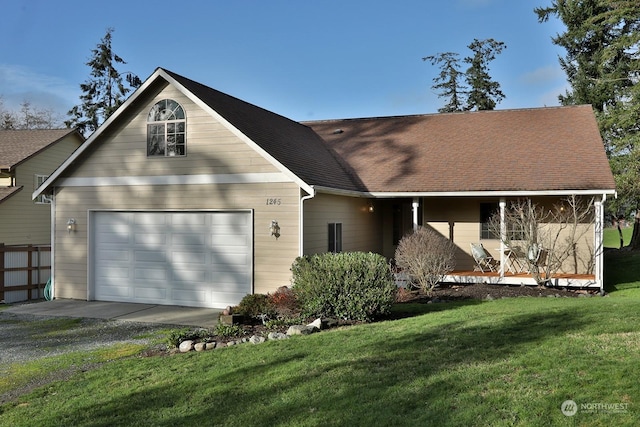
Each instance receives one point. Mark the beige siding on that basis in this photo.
(460, 218)
(211, 147)
(23, 221)
(361, 229)
(272, 257)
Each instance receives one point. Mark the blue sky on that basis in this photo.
(307, 60)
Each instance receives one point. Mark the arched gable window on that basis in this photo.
(166, 129)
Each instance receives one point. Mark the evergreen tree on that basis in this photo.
(447, 83)
(602, 40)
(105, 89)
(484, 93)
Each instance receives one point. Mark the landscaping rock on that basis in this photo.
(255, 339)
(299, 330)
(210, 345)
(317, 324)
(186, 346)
(273, 336)
(200, 346)
(231, 343)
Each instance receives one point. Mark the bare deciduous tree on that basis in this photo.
(426, 256)
(549, 239)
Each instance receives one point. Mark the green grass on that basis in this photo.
(611, 238)
(509, 362)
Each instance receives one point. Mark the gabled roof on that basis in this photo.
(16, 146)
(556, 149)
(297, 147)
(529, 151)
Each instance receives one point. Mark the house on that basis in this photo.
(27, 158)
(188, 196)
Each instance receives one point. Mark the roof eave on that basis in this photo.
(499, 193)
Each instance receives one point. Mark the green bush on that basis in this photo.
(348, 285)
(254, 305)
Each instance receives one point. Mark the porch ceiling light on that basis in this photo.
(71, 225)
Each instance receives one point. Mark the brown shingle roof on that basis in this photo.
(18, 145)
(294, 145)
(543, 149)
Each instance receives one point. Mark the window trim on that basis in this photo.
(163, 126)
(42, 199)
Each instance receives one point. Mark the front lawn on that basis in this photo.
(508, 362)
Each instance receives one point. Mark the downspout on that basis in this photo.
(311, 195)
(53, 241)
(415, 205)
(598, 250)
(503, 236)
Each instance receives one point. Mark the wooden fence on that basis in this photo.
(24, 272)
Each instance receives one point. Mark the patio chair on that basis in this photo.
(484, 261)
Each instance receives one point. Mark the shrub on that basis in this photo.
(426, 256)
(228, 331)
(255, 305)
(284, 302)
(348, 285)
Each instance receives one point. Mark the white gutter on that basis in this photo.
(301, 221)
(407, 194)
(52, 253)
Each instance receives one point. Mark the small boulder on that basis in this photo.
(255, 339)
(210, 345)
(299, 330)
(200, 346)
(186, 346)
(277, 336)
(317, 324)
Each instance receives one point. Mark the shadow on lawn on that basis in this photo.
(406, 373)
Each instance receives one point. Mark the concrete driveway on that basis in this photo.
(145, 313)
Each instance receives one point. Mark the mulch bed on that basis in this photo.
(482, 291)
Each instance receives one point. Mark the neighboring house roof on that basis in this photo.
(6, 192)
(555, 149)
(16, 146)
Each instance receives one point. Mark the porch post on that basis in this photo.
(414, 209)
(503, 236)
(598, 261)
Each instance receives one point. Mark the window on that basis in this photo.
(37, 182)
(335, 237)
(487, 210)
(166, 136)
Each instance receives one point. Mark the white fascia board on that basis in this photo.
(238, 133)
(402, 194)
(232, 178)
(92, 138)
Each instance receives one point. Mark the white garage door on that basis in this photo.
(197, 259)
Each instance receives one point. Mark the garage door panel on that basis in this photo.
(190, 277)
(199, 259)
(150, 238)
(150, 274)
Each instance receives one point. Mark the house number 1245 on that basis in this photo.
(274, 202)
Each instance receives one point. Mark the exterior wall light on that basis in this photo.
(71, 225)
(371, 208)
(275, 229)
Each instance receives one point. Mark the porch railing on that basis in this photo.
(24, 272)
